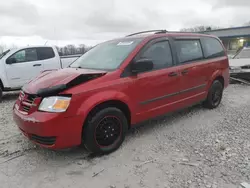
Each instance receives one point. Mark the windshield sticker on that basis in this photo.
(125, 43)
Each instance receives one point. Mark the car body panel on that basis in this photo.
(67, 130)
(56, 77)
(239, 62)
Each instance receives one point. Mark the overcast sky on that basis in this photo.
(60, 22)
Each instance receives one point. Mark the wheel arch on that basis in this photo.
(105, 99)
(217, 75)
(221, 80)
(1, 85)
(112, 103)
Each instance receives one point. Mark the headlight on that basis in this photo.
(54, 104)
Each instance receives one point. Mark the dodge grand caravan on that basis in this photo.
(118, 84)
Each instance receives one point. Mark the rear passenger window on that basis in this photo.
(213, 48)
(45, 53)
(189, 50)
(30, 54)
(160, 53)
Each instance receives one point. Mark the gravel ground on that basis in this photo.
(192, 148)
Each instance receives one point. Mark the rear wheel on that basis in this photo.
(105, 131)
(214, 95)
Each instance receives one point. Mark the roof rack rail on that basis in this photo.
(159, 31)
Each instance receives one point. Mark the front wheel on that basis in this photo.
(214, 95)
(105, 131)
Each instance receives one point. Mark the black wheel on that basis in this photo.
(214, 95)
(105, 131)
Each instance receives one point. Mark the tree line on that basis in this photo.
(72, 49)
(200, 28)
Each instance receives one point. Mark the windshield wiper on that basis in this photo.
(79, 67)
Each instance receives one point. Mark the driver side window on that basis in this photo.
(25, 55)
(160, 54)
(19, 56)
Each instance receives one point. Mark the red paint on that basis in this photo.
(66, 129)
(56, 77)
(131, 90)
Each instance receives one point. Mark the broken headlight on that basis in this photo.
(235, 69)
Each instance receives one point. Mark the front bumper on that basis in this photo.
(50, 130)
(245, 75)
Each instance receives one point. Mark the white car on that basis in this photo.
(240, 64)
(19, 66)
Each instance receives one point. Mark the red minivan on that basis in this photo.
(118, 84)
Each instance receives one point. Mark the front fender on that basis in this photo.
(3, 78)
(99, 98)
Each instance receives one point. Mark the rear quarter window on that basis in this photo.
(212, 47)
(45, 53)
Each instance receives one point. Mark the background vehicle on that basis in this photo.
(240, 64)
(121, 83)
(19, 66)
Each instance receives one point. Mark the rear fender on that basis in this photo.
(213, 77)
(3, 75)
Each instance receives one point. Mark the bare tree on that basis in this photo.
(2, 48)
(71, 49)
(199, 28)
(82, 48)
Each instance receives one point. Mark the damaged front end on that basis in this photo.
(48, 99)
(240, 74)
(54, 90)
(240, 67)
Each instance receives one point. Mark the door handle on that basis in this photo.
(37, 65)
(172, 74)
(185, 71)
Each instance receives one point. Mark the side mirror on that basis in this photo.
(142, 65)
(10, 61)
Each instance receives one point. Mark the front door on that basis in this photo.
(155, 92)
(25, 66)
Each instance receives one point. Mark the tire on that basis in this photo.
(105, 126)
(214, 96)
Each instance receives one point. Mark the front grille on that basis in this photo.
(43, 140)
(246, 67)
(27, 101)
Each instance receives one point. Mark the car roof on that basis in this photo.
(166, 34)
(36, 46)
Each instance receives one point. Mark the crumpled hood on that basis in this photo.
(65, 78)
(239, 62)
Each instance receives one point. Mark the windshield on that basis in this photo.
(106, 56)
(4, 53)
(244, 53)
